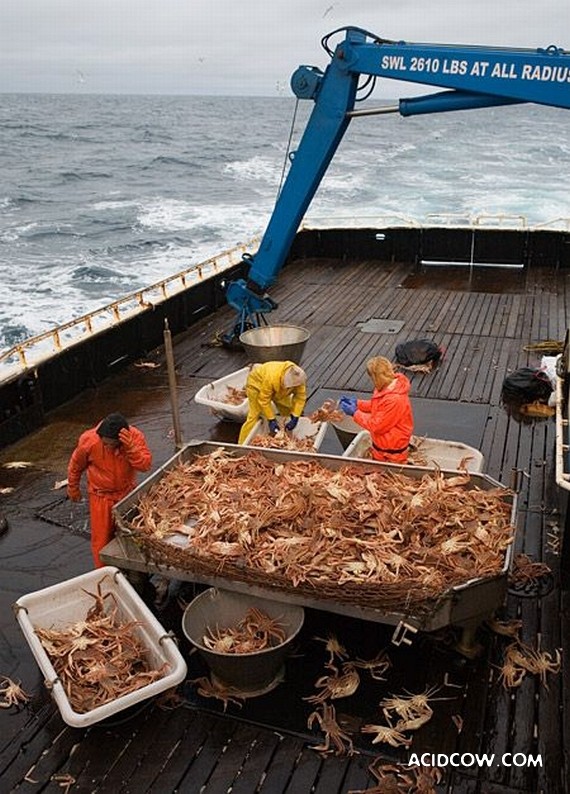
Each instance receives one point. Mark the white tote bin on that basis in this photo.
(432, 451)
(67, 603)
(346, 430)
(305, 429)
(212, 395)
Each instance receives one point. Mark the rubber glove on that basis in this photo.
(125, 438)
(273, 426)
(74, 494)
(348, 405)
(292, 423)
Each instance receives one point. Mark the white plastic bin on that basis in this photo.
(67, 603)
(346, 430)
(212, 395)
(434, 451)
(305, 429)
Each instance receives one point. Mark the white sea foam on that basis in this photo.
(214, 221)
(112, 204)
(256, 168)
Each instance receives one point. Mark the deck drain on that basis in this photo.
(376, 325)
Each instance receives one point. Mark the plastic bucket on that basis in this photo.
(249, 673)
(346, 431)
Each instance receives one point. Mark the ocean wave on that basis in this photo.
(13, 334)
(15, 202)
(38, 231)
(48, 135)
(169, 160)
(137, 247)
(78, 176)
(113, 204)
(97, 273)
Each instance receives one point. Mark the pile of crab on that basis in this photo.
(328, 412)
(255, 632)
(233, 396)
(100, 658)
(361, 534)
(284, 440)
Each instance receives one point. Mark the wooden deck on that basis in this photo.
(196, 747)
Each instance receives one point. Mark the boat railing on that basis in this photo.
(358, 221)
(483, 220)
(556, 224)
(562, 441)
(21, 357)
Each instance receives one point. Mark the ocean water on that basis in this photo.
(102, 195)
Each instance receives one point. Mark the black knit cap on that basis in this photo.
(110, 426)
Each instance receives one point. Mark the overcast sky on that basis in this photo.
(247, 47)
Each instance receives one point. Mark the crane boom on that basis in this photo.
(473, 76)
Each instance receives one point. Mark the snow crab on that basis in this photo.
(336, 685)
(333, 647)
(213, 689)
(521, 658)
(12, 693)
(386, 734)
(341, 742)
(328, 412)
(255, 632)
(527, 572)
(398, 779)
(409, 707)
(376, 667)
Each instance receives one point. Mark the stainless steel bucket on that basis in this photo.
(250, 673)
(275, 343)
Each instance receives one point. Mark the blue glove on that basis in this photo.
(273, 426)
(292, 423)
(348, 405)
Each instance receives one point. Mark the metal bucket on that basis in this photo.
(346, 431)
(275, 343)
(250, 673)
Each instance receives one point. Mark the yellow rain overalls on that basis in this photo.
(265, 390)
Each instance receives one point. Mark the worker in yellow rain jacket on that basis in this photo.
(274, 385)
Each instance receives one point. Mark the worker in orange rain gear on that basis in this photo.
(388, 415)
(110, 453)
(274, 385)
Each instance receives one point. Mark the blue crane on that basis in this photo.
(473, 76)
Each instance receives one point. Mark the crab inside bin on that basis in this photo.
(305, 430)
(64, 607)
(253, 673)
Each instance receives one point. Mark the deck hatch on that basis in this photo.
(378, 325)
